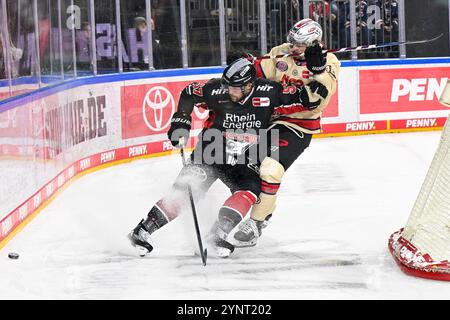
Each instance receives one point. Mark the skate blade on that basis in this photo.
(141, 251)
(222, 253)
(242, 244)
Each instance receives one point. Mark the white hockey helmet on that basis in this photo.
(305, 32)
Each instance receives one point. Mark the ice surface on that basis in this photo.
(338, 205)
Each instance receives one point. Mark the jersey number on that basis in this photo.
(197, 89)
(289, 89)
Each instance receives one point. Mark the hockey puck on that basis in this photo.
(13, 255)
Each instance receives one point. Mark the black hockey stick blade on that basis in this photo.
(204, 256)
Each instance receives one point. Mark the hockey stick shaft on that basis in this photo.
(203, 253)
(358, 48)
(381, 45)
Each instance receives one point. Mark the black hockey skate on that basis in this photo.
(249, 232)
(140, 239)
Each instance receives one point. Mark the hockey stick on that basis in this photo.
(382, 45)
(358, 48)
(203, 253)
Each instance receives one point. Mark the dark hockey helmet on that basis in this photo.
(238, 73)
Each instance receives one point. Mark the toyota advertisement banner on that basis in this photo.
(147, 108)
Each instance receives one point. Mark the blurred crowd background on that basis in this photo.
(48, 41)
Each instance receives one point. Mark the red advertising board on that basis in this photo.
(402, 90)
(147, 108)
(383, 126)
(364, 126)
(332, 109)
(418, 123)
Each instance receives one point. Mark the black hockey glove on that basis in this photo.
(310, 90)
(179, 128)
(315, 60)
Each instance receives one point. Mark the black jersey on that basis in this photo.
(242, 123)
(253, 112)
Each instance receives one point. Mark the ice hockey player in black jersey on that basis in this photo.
(240, 108)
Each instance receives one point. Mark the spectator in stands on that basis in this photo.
(325, 13)
(141, 29)
(320, 10)
(343, 16)
(334, 43)
(83, 41)
(363, 33)
(15, 56)
(387, 24)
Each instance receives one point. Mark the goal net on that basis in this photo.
(422, 248)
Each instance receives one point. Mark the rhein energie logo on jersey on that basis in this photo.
(234, 121)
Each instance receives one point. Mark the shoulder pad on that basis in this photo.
(281, 49)
(332, 59)
(195, 88)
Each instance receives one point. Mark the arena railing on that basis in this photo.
(45, 42)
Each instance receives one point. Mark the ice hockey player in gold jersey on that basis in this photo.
(304, 65)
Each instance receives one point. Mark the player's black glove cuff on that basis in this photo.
(179, 128)
(318, 88)
(315, 60)
(310, 90)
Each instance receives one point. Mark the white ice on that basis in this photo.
(337, 207)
